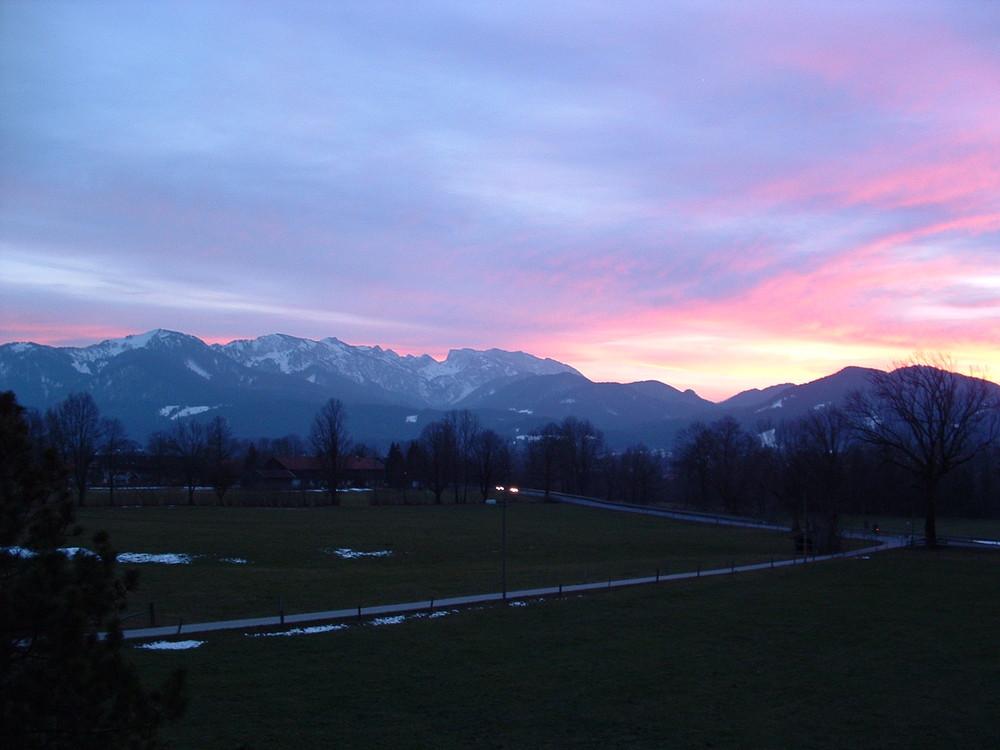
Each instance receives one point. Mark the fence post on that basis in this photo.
(281, 610)
(152, 614)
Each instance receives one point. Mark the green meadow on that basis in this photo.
(435, 551)
(893, 650)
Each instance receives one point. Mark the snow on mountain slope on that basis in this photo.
(421, 379)
(162, 361)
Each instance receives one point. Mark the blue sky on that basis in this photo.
(718, 195)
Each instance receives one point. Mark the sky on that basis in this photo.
(715, 195)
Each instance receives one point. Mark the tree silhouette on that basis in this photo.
(116, 441)
(188, 445)
(929, 420)
(61, 684)
(220, 450)
(330, 443)
(437, 441)
(75, 428)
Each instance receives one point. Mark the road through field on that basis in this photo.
(884, 542)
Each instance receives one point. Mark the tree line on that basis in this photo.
(918, 437)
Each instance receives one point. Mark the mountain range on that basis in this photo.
(273, 385)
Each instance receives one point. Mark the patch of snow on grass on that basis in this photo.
(171, 645)
(234, 560)
(24, 552)
(388, 620)
(350, 554)
(299, 631)
(145, 557)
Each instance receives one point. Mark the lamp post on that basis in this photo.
(503, 545)
(505, 492)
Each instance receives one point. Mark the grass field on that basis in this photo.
(896, 651)
(436, 552)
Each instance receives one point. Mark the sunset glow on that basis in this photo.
(719, 196)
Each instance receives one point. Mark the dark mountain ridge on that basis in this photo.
(273, 386)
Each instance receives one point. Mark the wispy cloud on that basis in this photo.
(717, 195)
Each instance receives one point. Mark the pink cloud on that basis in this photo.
(890, 180)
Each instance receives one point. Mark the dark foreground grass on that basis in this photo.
(896, 651)
(437, 552)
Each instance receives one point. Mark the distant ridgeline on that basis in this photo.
(273, 385)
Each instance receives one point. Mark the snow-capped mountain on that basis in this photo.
(270, 385)
(274, 385)
(421, 380)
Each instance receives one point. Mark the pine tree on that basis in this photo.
(64, 681)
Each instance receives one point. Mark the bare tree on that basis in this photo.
(543, 449)
(220, 448)
(437, 441)
(158, 448)
(929, 420)
(641, 474)
(116, 441)
(416, 463)
(187, 443)
(490, 461)
(330, 443)
(580, 446)
(466, 428)
(812, 463)
(719, 464)
(75, 428)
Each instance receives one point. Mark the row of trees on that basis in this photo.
(198, 452)
(917, 435)
(455, 451)
(920, 431)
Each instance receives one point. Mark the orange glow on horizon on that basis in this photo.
(713, 358)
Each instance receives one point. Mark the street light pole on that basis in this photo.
(503, 544)
(505, 495)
